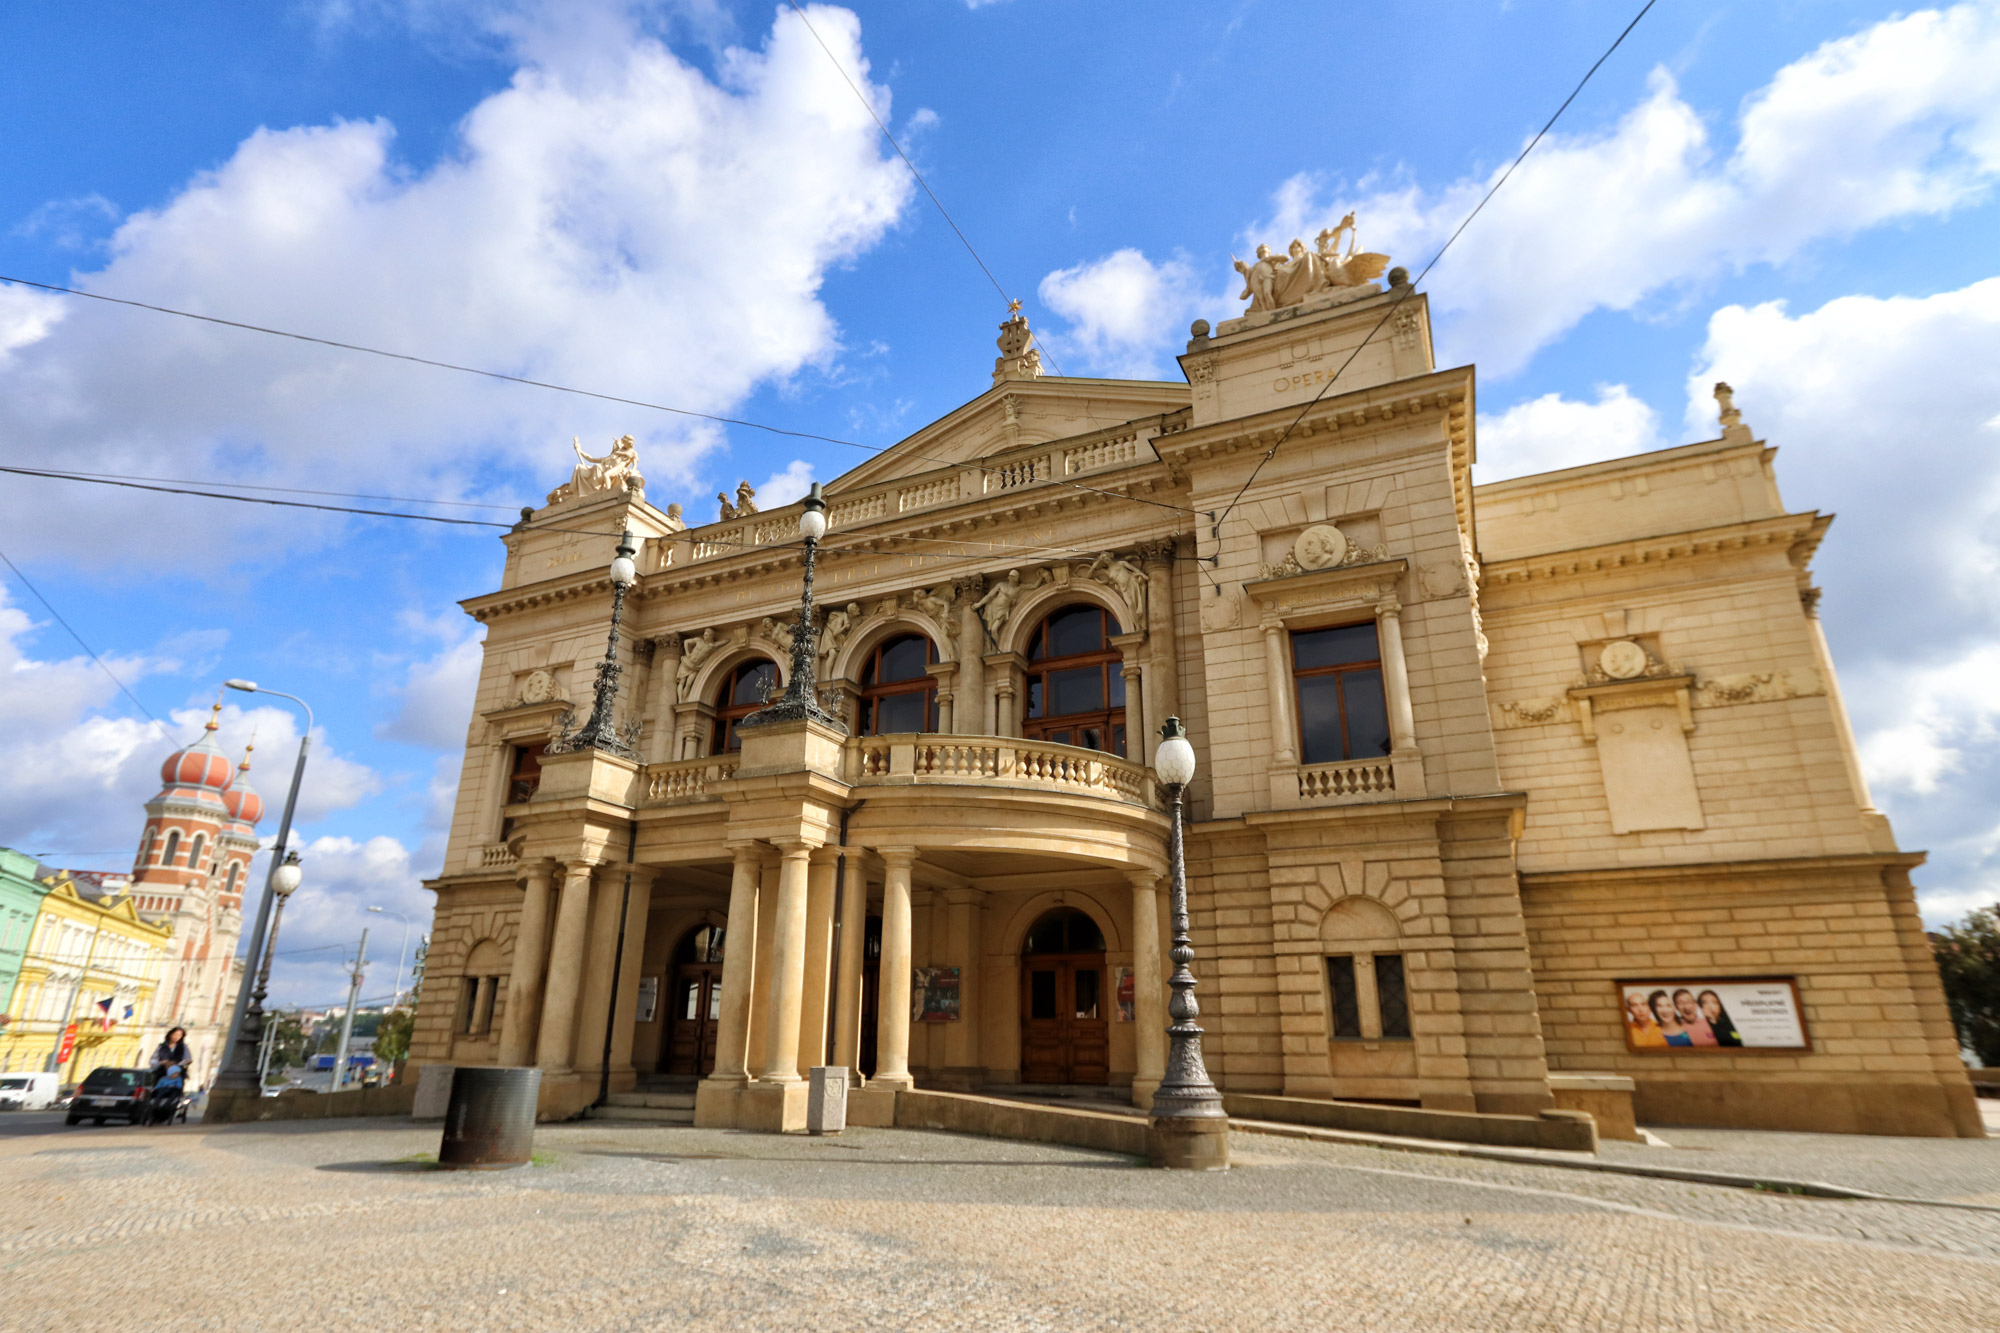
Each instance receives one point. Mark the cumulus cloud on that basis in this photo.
(1550, 432)
(1124, 310)
(437, 695)
(324, 919)
(781, 488)
(1899, 121)
(1887, 411)
(614, 218)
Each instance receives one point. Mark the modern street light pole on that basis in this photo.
(347, 1019)
(283, 881)
(1189, 1129)
(246, 1025)
(403, 956)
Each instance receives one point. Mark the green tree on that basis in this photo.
(392, 1035)
(1968, 958)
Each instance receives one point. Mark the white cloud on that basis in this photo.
(437, 696)
(611, 203)
(1550, 432)
(342, 878)
(1887, 411)
(73, 780)
(1123, 310)
(1899, 121)
(781, 488)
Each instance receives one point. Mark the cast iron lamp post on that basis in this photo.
(1189, 1128)
(246, 1025)
(601, 732)
(801, 698)
(284, 880)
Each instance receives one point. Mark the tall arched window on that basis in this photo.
(173, 847)
(146, 846)
(1076, 682)
(194, 852)
(229, 885)
(897, 694)
(748, 688)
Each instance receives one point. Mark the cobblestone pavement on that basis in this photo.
(638, 1227)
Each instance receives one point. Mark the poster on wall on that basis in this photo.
(1760, 1013)
(649, 998)
(1125, 991)
(934, 995)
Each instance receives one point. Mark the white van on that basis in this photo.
(27, 1092)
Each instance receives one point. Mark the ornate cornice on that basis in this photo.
(1798, 535)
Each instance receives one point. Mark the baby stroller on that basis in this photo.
(169, 1101)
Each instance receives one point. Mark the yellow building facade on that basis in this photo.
(1505, 791)
(86, 946)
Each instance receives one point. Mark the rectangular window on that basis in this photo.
(468, 1004)
(526, 774)
(1086, 993)
(1390, 995)
(1346, 999)
(1343, 712)
(1041, 995)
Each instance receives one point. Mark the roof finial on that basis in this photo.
(214, 713)
(1733, 428)
(1014, 306)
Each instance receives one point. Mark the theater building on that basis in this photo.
(1500, 787)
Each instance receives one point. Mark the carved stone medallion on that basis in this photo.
(1622, 660)
(538, 688)
(1321, 546)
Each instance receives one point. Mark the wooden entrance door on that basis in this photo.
(1065, 1037)
(694, 1004)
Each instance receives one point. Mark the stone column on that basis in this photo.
(1278, 673)
(892, 1030)
(961, 910)
(739, 953)
(556, 1048)
(1396, 677)
(760, 970)
(600, 957)
(660, 743)
(631, 960)
(788, 968)
(1003, 678)
(819, 960)
(524, 984)
(1138, 714)
(853, 933)
(1149, 1007)
(946, 676)
(971, 718)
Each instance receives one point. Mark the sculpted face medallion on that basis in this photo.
(538, 687)
(1321, 546)
(1622, 660)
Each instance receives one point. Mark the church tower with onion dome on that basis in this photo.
(193, 864)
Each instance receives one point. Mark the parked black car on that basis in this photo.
(113, 1094)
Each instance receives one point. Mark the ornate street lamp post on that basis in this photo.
(801, 697)
(284, 880)
(601, 731)
(1189, 1129)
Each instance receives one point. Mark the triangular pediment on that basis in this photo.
(1016, 414)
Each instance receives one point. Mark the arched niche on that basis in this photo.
(710, 675)
(1359, 925)
(1014, 933)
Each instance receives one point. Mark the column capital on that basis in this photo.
(747, 849)
(795, 848)
(1148, 880)
(542, 866)
(897, 857)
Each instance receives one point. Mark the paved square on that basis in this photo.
(638, 1227)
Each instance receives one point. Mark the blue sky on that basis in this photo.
(685, 204)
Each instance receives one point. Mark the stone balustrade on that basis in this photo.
(1349, 780)
(998, 761)
(687, 779)
(496, 855)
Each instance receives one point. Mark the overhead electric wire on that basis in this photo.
(79, 639)
(1411, 287)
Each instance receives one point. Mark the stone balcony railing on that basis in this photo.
(686, 779)
(496, 855)
(1349, 780)
(1030, 466)
(1002, 761)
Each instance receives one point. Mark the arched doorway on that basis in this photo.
(1076, 681)
(694, 1004)
(1065, 1037)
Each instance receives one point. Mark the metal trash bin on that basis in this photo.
(490, 1122)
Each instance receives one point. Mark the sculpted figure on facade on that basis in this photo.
(777, 632)
(833, 635)
(1273, 283)
(937, 604)
(615, 471)
(1130, 583)
(997, 606)
(693, 653)
(724, 510)
(746, 499)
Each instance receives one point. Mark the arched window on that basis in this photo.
(194, 852)
(897, 694)
(147, 844)
(703, 944)
(749, 686)
(1064, 930)
(173, 847)
(229, 885)
(1076, 683)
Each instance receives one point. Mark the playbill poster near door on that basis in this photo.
(1759, 1013)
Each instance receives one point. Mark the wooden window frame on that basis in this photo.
(924, 684)
(1300, 673)
(723, 738)
(1108, 658)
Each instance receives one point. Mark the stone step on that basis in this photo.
(662, 1101)
(651, 1115)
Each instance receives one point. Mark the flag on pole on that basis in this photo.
(128, 1012)
(106, 1021)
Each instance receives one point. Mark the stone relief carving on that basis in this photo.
(1531, 712)
(1622, 659)
(694, 651)
(996, 608)
(1758, 687)
(1321, 546)
(1271, 283)
(1128, 581)
(777, 632)
(1439, 581)
(615, 471)
(1471, 561)
(937, 604)
(539, 687)
(1200, 369)
(1220, 611)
